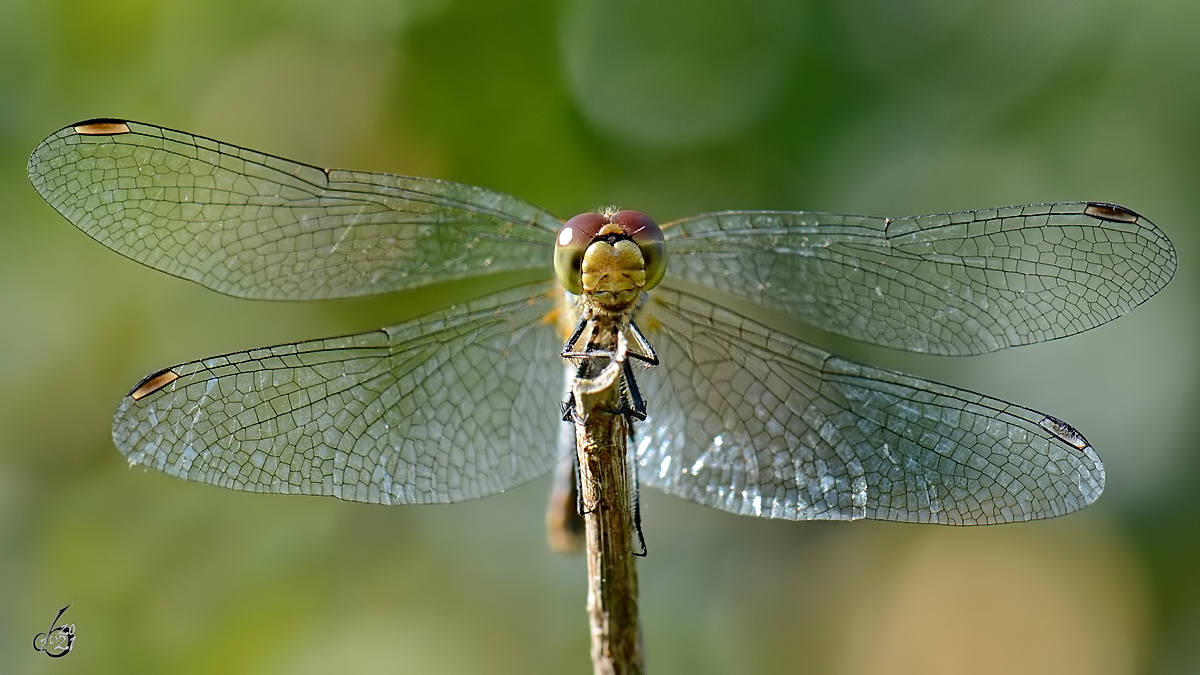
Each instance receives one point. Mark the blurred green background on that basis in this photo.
(673, 108)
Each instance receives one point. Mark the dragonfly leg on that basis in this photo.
(631, 402)
(590, 351)
(567, 350)
(568, 407)
(637, 504)
(589, 366)
(647, 353)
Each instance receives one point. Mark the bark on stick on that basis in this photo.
(601, 433)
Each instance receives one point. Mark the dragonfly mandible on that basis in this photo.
(466, 402)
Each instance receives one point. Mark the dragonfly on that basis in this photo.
(466, 402)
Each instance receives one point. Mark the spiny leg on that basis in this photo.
(568, 407)
(647, 354)
(631, 402)
(579, 327)
(636, 411)
(637, 500)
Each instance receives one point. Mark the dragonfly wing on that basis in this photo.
(455, 405)
(958, 283)
(754, 422)
(256, 226)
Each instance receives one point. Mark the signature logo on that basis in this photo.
(58, 640)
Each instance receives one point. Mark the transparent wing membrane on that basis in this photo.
(256, 226)
(448, 407)
(464, 402)
(957, 283)
(754, 422)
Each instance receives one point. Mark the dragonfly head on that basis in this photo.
(611, 256)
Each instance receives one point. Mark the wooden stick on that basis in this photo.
(600, 435)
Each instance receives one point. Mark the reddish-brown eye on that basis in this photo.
(573, 239)
(649, 238)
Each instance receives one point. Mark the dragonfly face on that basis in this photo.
(464, 402)
(611, 257)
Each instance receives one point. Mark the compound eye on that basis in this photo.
(573, 239)
(649, 237)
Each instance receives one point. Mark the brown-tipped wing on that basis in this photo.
(751, 421)
(455, 405)
(954, 284)
(257, 226)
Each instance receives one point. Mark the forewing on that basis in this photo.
(256, 226)
(452, 406)
(751, 421)
(957, 283)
